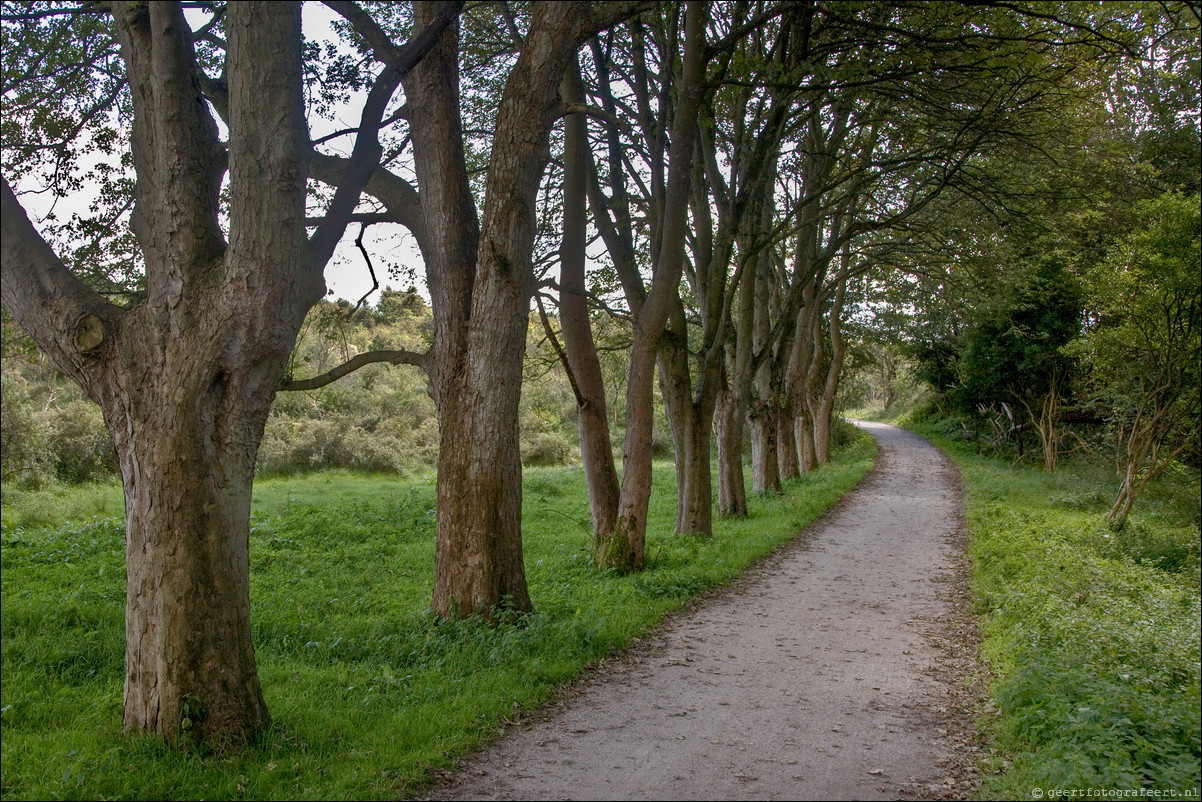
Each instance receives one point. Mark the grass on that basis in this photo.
(369, 695)
(1091, 637)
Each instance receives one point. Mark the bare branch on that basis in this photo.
(398, 357)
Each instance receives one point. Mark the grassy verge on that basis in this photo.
(1091, 637)
(368, 694)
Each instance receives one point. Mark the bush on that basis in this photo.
(842, 433)
(83, 450)
(547, 448)
(23, 438)
(68, 442)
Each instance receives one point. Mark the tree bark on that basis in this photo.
(625, 550)
(732, 407)
(690, 414)
(596, 447)
(481, 279)
(825, 400)
(185, 380)
(765, 475)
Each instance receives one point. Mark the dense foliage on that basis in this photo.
(379, 419)
(1090, 637)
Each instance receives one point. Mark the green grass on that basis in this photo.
(368, 694)
(1091, 637)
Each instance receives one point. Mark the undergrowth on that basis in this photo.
(1091, 636)
(370, 696)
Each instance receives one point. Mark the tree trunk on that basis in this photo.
(690, 414)
(826, 399)
(186, 379)
(625, 549)
(764, 466)
(729, 420)
(800, 378)
(786, 451)
(191, 435)
(732, 408)
(695, 511)
(481, 280)
(596, 447)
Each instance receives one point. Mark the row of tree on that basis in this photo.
(737, 165)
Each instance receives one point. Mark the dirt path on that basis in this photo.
(835, 670)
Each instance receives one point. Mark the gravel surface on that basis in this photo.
(839, 668)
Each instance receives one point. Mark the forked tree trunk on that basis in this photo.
(625, 549)
(481, 280)
(186, 379)
(690, 412)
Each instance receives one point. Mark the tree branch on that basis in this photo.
(61, 314)
(365, 157)
(398, 357)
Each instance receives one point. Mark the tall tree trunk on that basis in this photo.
(481, 280)
(800, 379)
(596, 447)
(732, 407)
(764, 465)
(625, 550)
(786, 450)
(186, 379)
(825, 406)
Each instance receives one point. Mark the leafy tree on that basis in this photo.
(1015, 352)
(186, 373)
(1144, 340)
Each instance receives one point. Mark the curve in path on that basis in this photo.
(816, 676)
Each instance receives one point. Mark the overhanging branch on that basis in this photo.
(398, 357)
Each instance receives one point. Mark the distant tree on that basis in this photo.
(1014, 354)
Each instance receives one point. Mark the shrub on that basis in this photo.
(82, 449)
(23, 437)
(547, 448)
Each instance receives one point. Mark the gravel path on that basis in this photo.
(834, 670)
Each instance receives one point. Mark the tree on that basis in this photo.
(670, 135)
(185, 377)
(1014, 353)
(1144, 341)
(479, 271)
(580, 358)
